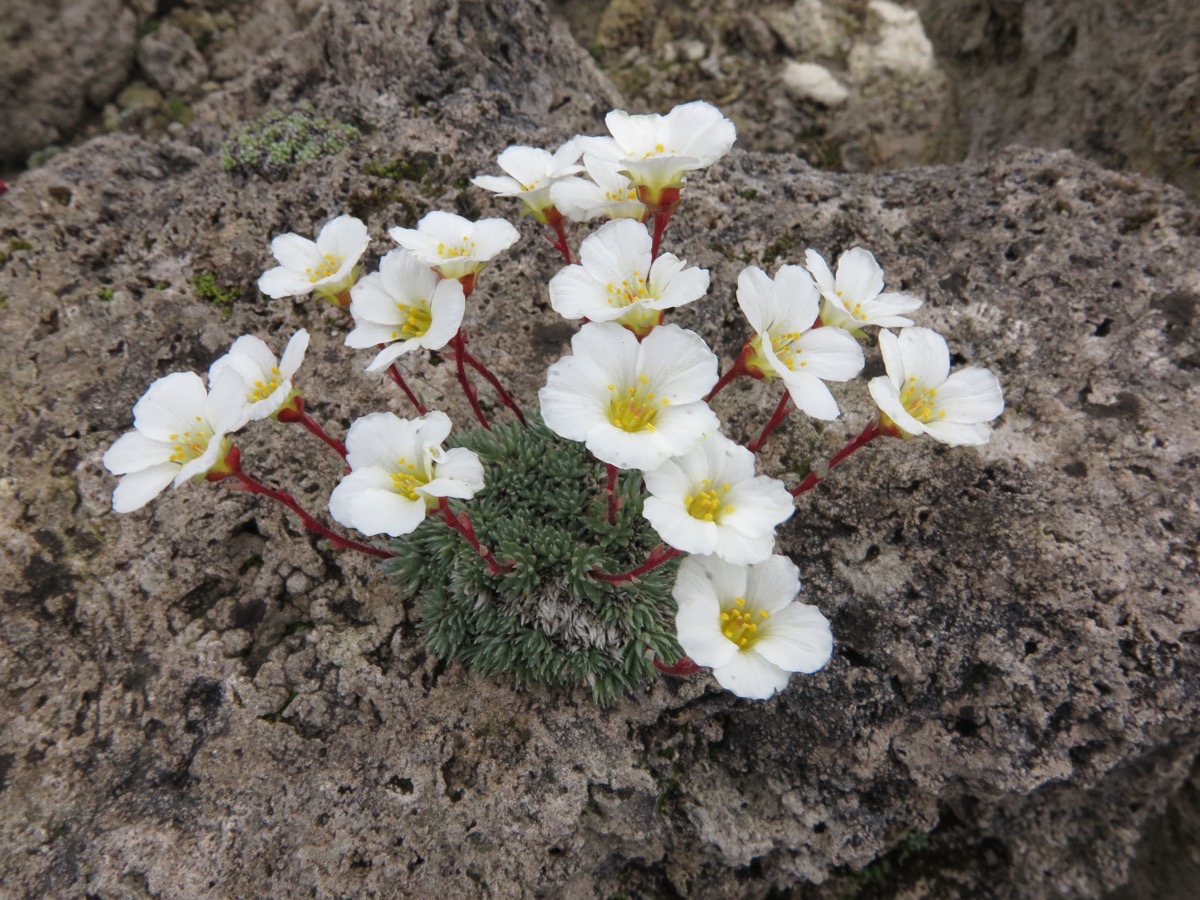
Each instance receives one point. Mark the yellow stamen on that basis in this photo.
(738, 626)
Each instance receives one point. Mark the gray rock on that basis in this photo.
(170, 60)
(810, 81)
(203, 700)
(59, 62)
(1114, 81)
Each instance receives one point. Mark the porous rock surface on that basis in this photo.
(59, 60)
(1114, 81)
(201, 700)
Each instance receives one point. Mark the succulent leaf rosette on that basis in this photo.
(615, 532)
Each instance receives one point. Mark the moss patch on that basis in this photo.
(279, 141)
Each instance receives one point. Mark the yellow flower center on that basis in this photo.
(620, 196)
(740, 625)
(261, 390)
(330, 263)
(628, 291)
(416, 322)
(465, 247)
(706, 504)
(635, 408)
(406, 479)
(786, 351)
(658, 149)
(189, 445)
(920, 403)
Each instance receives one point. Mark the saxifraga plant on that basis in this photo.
(548, 621)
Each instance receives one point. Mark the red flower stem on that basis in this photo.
(233, 460)
(734, 371)
(293, 411)
(657, 557)
(314, 427)
(685, 666)
(869, 434)
(394, 374)
(462, 524)
(559, 224)
(614, 502)
(483, 370)
(660, 225)
(458, 344)
(778, 416)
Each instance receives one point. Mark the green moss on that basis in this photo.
(881, 877)
(106, 294)
(548, 622)
(15, 244)
(413, 169)
(179, 110)
(39, 157)
(210, 291)
(279, 141)
(3, 301)
(777, 248)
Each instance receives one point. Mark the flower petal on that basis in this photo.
(574, 294)
(293, 354)
(699, 129)
(957, 434)
(281, 282)
(133, 451)
(366, 501)
(380, 439)
(136, 489)
(344, 236)
(172, 405)
(796, 639)
(970, 396)
(820, 271)
(859, 277)
(678, 363)
(809, 393)
(462, 471)
(773, 585)
(749, 675)
(296, 253)
(926, 357)
(887, 398)
(830, 354)
(679, 529)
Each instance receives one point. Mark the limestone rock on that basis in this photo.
(894, 45)
(811, 81)
(1113, 81)
(200, 699)
(170, 60)
(58, 61)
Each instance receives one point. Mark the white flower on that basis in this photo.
(617, 280)
(709, 501)
(399, 471)
(404, 305)
(919, 395)
(742, 622)
(633, 404)
(609, 194)
(326, 266)
(531, 173)
(657, 151)
(782, 313)
(453, 245)
(267, 380)
(179, 431)
(853, 299)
